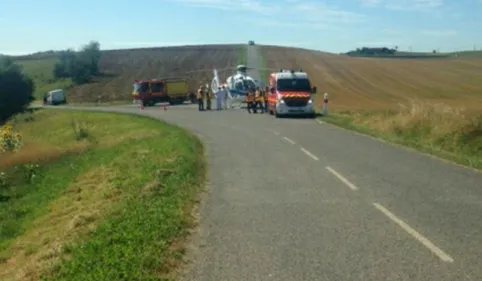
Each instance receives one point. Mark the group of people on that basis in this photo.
(221, 96)
(255, 98)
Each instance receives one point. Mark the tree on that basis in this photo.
(81, 71)
(16, 89)
(91, 53)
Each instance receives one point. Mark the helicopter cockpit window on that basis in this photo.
(239, 85)
(249, 84)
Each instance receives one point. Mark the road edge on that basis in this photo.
(335, 122)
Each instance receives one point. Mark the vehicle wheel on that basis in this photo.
(151, 103)
(276, 115)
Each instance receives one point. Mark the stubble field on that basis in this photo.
(369, 83)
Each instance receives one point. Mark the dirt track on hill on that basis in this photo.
(361, 83)
(122, 67)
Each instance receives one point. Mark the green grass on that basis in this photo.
(111, 198)
(447, 133)
(41, 71)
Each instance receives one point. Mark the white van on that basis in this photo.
(56, 97)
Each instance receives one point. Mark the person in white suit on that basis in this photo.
(224, 97)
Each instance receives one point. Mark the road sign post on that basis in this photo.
(325, 104)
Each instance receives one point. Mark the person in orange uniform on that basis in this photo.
(265, 99)
(208, 99)
(200, 98)
(258, 100)
(250, 101)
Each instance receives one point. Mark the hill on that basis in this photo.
(361, 83)
(120, 68)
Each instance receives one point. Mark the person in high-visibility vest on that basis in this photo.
(258, 100)
(265, 99)
(200, 98)
(208, 99)
(250, 101)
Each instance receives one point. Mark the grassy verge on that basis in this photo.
(449, 133)
(110, 198)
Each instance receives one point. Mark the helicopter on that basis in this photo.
(237, 84)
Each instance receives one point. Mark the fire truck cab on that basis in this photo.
(290, 93)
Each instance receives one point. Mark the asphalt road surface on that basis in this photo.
(293, 199)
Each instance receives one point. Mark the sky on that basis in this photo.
(28, 26)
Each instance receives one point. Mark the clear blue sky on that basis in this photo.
(27, 26)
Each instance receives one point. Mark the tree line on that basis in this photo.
(79, 66)
(17, 89)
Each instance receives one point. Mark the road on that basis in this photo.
(293, 199)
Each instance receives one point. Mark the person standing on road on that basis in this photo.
(258, 100)
(218, 96)
(224, 97)
(200, 98)
(250, 101)
(45, 99)
(208, 99)
(265, 99)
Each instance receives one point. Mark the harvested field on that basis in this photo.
(371, 84)
(121, 67)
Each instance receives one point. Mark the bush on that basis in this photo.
(9, 140)
(3, 181)
(29, 171)
(16, 90)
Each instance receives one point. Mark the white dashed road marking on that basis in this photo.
(289, 140)
(309, 154)
(342, 178)
(437, 251)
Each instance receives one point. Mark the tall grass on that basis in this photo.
(455, 132)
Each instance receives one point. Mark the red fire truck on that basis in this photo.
(173, 90)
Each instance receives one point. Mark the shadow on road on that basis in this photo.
(302, 116)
